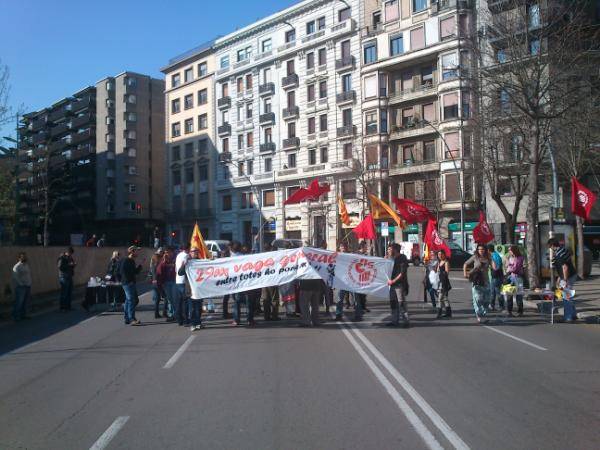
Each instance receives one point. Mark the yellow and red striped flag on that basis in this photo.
(197, 241)
(344, 217)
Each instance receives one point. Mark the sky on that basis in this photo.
(54, 48)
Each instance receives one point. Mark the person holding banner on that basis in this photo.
(195, 304)
(311, 292)
(342, 295)
(241, 297)
(398, 286)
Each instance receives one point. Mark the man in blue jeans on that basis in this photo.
(22, 283)
(129, 272)
(66, 271)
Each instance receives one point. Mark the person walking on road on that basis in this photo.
(21, 275)
(398, 286)
(129, 271)
(562, 263)
(113, 275)
(444, 286)
(497, 278)
(479, 278)
(311, 292)
(165, 281)
(66, 272)
(515, 271)
(182, 308)
(195, 303)
(157, 292)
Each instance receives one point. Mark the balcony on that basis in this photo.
(267, 147)
(445, 5)
(224, 102)
(37, 124)
(412, 166)
(291, 113)
(59, 129)
(369, 32)
(411, 129)
(80, 121)
(267, 118)
(347, 131)
(346, 26)
(291, 143)
(290, 81)
(225, 157)
(345, 97)
(56, 115)
(81, 137)
(425, 90)
(287, 172)
(224, 129)
(313, 36)
(80, 104)
(266, 89)
(346, 63)
(38, 138)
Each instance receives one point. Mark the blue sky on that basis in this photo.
(56, 47)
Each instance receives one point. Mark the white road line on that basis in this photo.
(171, 362)
(458, 279)
(435, 418)
(110, 433)
(531, 344)
(412, 417)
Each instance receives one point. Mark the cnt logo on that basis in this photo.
(583, 197)
(362, 272)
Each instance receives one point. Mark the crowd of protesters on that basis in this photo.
(487, 271)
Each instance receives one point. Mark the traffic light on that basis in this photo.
(138, 208)
(173, 234)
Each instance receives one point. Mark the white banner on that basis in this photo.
(347, 271)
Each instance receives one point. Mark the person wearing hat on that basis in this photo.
(129, 271)
(157, 291)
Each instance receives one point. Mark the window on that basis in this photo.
(290, 36)
(323, 122)
(419, 5)
(269, 197)
(202, 69)
(321, 23)
(383, 121)
(345, 49)
(290, 68)
(202, 146)
(322, 57)
(131, 188)
(466, 105)
(225, 145)
(240, 112)
(268, 165)
(240, 169)
(247, 200)
(240, 85)
(226, 173)
(132, 170)
(249, 111)
(312, 156)
(267, 75)
(504, 101)
(310, 27)
(189, 150)
(449, 66)
(110, 120)
(391, 11)
(371, 122)
(291, 130)
(370, 53)
(323, 89)
(534, 15)
(344, 14)
(250, 139)
(202, 122)
(371, 86)
(347, 117)
(189, 126)
(292, 160)
(428, 151)
(311, 125)
(240, 141)
(266, 45)
(225, 90)
(427, 76)
(244, 53)
(396, 45)
(534, 47)
(409, 191)
(110, 86)
(452, 189)
(176, 176)
(450, 106)
(448, 27)
(501, 55)
(291, 99)
(348, 189)
(466, 148)
(203, 97)
(407, 117)
(175, 106)
(348, 150)
(176, 129)
(189, 175)
(175, 153)
(268, 135)
(346, 82)
(324, 153)
(224, 62)
(310, 60)
(430, 190)
(310, 93)
(417, 38)
(131, 117)
(188, 101)
(250, 167)
(451, 145)
(226, 202)
(249, 82)
(203, 172)
(188, 75)
(175, 80)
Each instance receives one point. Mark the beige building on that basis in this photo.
(190, 104)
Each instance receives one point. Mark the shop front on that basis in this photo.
(456, 237)
(411, 233)
(293, 228)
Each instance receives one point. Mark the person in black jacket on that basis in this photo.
(66, 271)
(129, 271)
(398, 286)
(113, 275)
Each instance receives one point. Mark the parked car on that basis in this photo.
(458, 257)
(282, 244)
(217, 248)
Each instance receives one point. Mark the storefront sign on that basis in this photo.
(293, 224)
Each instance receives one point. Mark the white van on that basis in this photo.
(218, 248)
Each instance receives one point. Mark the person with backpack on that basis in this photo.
(479, 278)
(497, 278)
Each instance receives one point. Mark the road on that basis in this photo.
(79, 381)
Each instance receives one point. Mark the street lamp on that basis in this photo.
(225, 158)
(460, 181)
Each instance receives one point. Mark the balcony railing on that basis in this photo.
(224, 129)
(289, 81)
(291, 143)
(224, 102)
(291, 112)
(409, 94)
(345, 97)
(267, 118)
(266, 89)
(346, 131)
(347, 62)
(267, 147)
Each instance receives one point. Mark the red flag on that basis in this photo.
(365, 229)
(582, 199)
(313, 192)
(482, 234)
(433, 239)
(412, 212)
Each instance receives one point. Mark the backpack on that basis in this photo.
(476, 277)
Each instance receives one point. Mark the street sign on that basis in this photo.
(385, 231)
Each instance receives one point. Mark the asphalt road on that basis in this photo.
(79, 381)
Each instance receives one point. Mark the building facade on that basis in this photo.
(190, 142)
(288, 111)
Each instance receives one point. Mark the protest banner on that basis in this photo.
(347, 271)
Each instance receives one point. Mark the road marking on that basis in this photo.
(171, 362)
(531, 344)
(412, 417)
(458, 279)
(110, 433)
(435, 418)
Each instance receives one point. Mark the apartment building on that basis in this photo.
(129, 156)
(190, 143)
(288, 104)
(417, 106)
(88, 162)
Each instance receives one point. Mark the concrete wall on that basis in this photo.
(44, 271)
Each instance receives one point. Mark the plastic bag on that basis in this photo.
(434, 280)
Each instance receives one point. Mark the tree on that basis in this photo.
(5, 110)
(530, 61)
